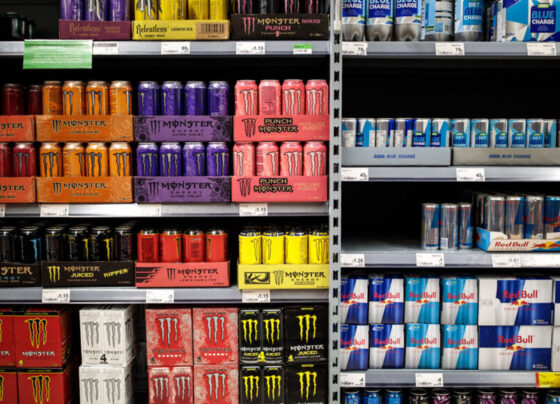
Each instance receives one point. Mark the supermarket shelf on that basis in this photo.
(451, 378)
(133, 295)
(169, 210)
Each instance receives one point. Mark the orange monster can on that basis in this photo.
(73, 98)
(97, 98)
(50, 160)
(74, 159)
(97, 161)
(120, 160)
(52, 98)
(121, 98)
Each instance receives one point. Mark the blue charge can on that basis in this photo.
(371, 396)
(350, 397)
(393, 397)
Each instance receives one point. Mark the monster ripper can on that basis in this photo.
(250, 336)
(77, 243)
(54, 243)
(194, 243)
(305, 333)
(124, 243)
(319, 247)
(148, 246)
(273, 335)
(251, 385)
(306, 383)
(296, 242)
(170, 241)
(30, 245)
(250, 247)
(216, 245)
(273, 385)
(101, 244)
(273, 247)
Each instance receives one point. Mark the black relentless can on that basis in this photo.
(101, 244)
(54, 243)
(419, 396)
(124, 243)
(30, 245)
(77, 243)
(7, 244)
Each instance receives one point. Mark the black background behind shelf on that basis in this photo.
(45, 13)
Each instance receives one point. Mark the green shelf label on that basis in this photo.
(303, 48)
(57, 54)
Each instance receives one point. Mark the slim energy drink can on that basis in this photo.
(517, 133)
(218, 97)
(97, 98)
(393, 397)
(172, 10)
(198, 9)
(145, 10)
(246, 97)
(441, 396)
(296, 247)
(386, 299)
(384, 132)
(350, 135)
(293, 97)
(317, 97)
(243, 159)
(148, 96)
(514, 217)
(365, 133)
(507, 397)
(119, 10)
(170, 159)
(441, 132)
(318, 241)
(97, 160)
(194, 159)
(552, 217)
(386, 346)
(404, 130)
(486, 396)
(354, 299)
(12, 100)
(73, 98)
(250, 247)
(534, 217)
(479, 133)
(535, 133)
(52, 98)
(550, 132)
(50, 158)
(461, 132)
(217, 159)
(430, 226)
(120, 96)
(5, 160)
(170, 246)
(194, 245)
(423, 346)
(498, 133)
(354, 347)
(196, 96)
(462, 397)
(77, 243)
(148, 245)
(172, 98)
(124, 244)
(270, 97)
(24, 163)
(120, 159)
(147, 159)
(465, 225)
(273, 247)
(72, 10)
(494, 213)
(422, 132)
(267, 159)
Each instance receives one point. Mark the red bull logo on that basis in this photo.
(423, 341)
(522, 294)
(460, 296)
(422, 301)
(386, 296)
(461, 342)
(387, 341)
(459, 302)
(516, 339)
(547, 246)
(387, 302)
(423, 347)
(353, 297)
(519, 303)
(515, 348)
(423, 296)
(460, 348)
(353, 344)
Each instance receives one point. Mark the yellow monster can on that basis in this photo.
(296, 247)
(319, 247)
(145, 10)
(250, 247)
(218, 9)
(273, 247)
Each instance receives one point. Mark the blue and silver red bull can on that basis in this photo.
(218, 98)
(550, 132)
(371, 396)
(514, 221)
(354, 346)
(422, 132)
(534, 217)
(535, 133)
(552, 217)
(517, 133)
(404, 132)
(430, 226)
(172, 98)
(148, 98)
(354, 299)
(365, 136)
(386, 299)
(386, 346)
(479, 132)
(393, 397)
(499, 133)
(465, 225)
(460, 300)
(384, 132)
(195, 98)
(423, 347)
(421, 303)
(351, 397)
(460, 347)
(461, 132)
(441, 132)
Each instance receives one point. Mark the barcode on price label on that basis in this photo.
(56, 296)
(352, 260)
(159, 296)
(429, 379)
(450, 49)
(470, 174)
(54, 210)
(354, 48)
(175, 48)
(250, 48)
(255, 296)
(253, 209)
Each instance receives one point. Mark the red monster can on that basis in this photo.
(171, 385)
(5, 160)
(267, 159)
(215, 336)
(12, 100)
(24, 160)
(293, 97)
(194, 244)
(270, 97)
(216, 245)
(291, 159)
(244, 159)
(317, 95)
(246, 97)
(170, 246)
(35, 100)
(314, 159)
(148, 246)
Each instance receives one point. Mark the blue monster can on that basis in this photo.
(217, 159)
(218, 98)
(170, 160)
(195, 98)
(148, 98)
(172, 98)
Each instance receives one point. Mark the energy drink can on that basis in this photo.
(120, 160)
(172, 10)
(296, 248)
(460, 347)
(218, 10)
(422, 347)
(97, 10)
(274, 385)
(430, 226)
(314, 159)
(422, 300)
(517, 137)
(7, 244)
(97, 160)
(498, 133)
(170, 246)
(267, 159)
(73, 158)
(463, 397)
(72, 10)
(379, 20)
(305, 331)
(250, 385)
(441, 129)
(350, 135)
(354, 299)
(198, 9)
(486, 397)
(101, 244)
(5, 160)
(479, 133)
(273, 247)
(441, 396)
(465, 225)
(393, 397)
(170, 159)
(437, 20)
(550, 133)
(354, 346)
(250, 336)
(461, 132)
(12, 100)
(30, 245)
(194, 159)
(384, 132)
(217, 159)
(552, 397)
(306, 383)
(148, 93)
(147, 159)
(145, 10)
(243, 159)
(529, 397)
(469, 20)
(35, 100)
(124, 244)
(422, 129)
(449, 229)
(317, 97)
(293, 97)
(273, 335)
(534, 217)
(172, 98)
(216, 245)
(386, 346)
(507, 397)
(291, 159)
(366, 132)
(386, 299)
(194, 245)
(404, 132)
(52, 98)
(353, 20)
(494, 213)
(97, 98)
(246, 97)
(148, 245)
(250, 247)
(318, 242)
(270, 97)
(351, 397)
(24, 163)
(50, 156)
(218, 94)
(459, 300)
(54, 243)
(119, 10)
(535, 133)
(77, 244)
(74, 98)
(552, 217)
(371, 396)
(120, 98)
(514, 217)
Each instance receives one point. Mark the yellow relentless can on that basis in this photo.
(198, 9)
(319, 247)
(273, 247)
(250, 247)
(172, 10)
(145, 10)
(218, 9)
(296, 247)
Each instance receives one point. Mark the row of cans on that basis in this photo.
(280, 7)
(173, 98)
(16, 27)
(95, 10)
(288, 160)
(190, 245)
(17, 100)
(519, 216)
(444, 132)
(292, 97)
(447, 226)
(273, 246)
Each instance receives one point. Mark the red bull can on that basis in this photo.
(465, 225)
(430, 226)
(384, 132)
(494, 213)
(552, 217)
(386, 299)
(534, 217)
(514, 221)
(354, 299)
(449, 229)
(354, 345)
(386, 346)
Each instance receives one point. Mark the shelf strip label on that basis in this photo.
(54, 210)
(354, 48)
(175, 48)
(506, 260)
(546, 380)
(352, 260)
(250, 48)
(255, 296)
(352, 379)
(430, 260)
(429, 380)
(470, 174)
(105, 48)
(541, 49)
(354, 174)
(160, 296)
(253, 209)
(56, 296)
(450, 49)
(303, 49)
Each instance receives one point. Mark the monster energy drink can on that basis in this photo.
(273, 247)
(250, 336)
(30, 245)
(101, 244)
(273, 379)
(54, 243)
(148, 96)
(251, 385)
(250, 247)
(296, 246)
(124, 244)
(272, 332)
(318, 242)
(217, 159)
(147, 159)
(77, 244)
(194, 159)
(7, 244)
(170, 159)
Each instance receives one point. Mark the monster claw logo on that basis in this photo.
(249, 25)
(318, 160)
(68, 102)
(216, 384)
(321, 249)
(113, 390)
(41, 386)
(149, 164)
(183, 385)
(37, 328)
(244, 186)
(250, 330)
(249, 382)
(113, 331)
(167, 325)
(278, 277)
(91, 332)
(238, 163)
(171, 274)
(212, 324)
(91, 390)
(22, 166)
(51, 164)
(169, 164)
(57, 188)
(161, 387)
(273, 160)
(95, 97)
(272, 330)
(148, 8)
(306, 322)
(250, 124)
(294, 162)
(122, 160)
(54, 274)
(273, 387)
(314, 101)
(305, 381)
(267, 249)
(93, 160)
(292, 98)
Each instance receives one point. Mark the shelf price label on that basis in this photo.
(354, 48)
(450, 49)
(352, 260)
(253, 209)
(303, 49)
(175, 48)
(149, 210)
(470, 174)
(506, 261)
(105, 48)
(430, 260)
(255, 296)
(429, 380)
(57, 54)
(2, 209)
(355, 174)
(539, 260)
(56, 296)
(352, 379)
(541, 49)
(547, 380)
(250, 48)
(160, 296)
(54, 210)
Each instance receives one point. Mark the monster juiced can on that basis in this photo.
(273, 335)
(145, 10)
(194, 159)
(251, 385)
(250, 247)
(250, 336)
(318, 247)
(217, 159)
(170, 159)
(273, 247)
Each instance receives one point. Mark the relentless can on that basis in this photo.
(460, 347)
(423, 344)
(101, 244)
(218, 9)
(353, 20)
(354, 346)
(194, 159)
(145, 10)
(441, 130)
(494, 212)
(422, 300)
(147, 244)
(465, 225)
(384, 132)
(535, 133)
(71, 10)
(50, 157)
(379, 20)
(349, 133)
(195, 94)
(550, 132)
(124, 244)
(317, 97)
(468, 20)
(534, 217)
(365, 133)
(119, 10)
(354, 299)
(170, 159)
(243, 159)
(479, 133)
(147, 159)
(120, 159)
(120, 95)
(218, 94)
(217, 159)
(318, 241)
(514, 220)
(250, 247)
(386, 299)
(270, 97)
(459, 300)
(24, 163)
(29, 245)
(449, 229)
(386, 346)
(246, 97)
(216, 245)
(170, 246)
(267, 159)
(12, 100)
(291, 159)
(430, 226)
(97, 10)
(293, 97)
(517, 133)
(54, 243)
(461, 132)
(498, 133)
(552, 217)
(404, 132)
(408, 20)
(172, 98)
(148, 95)
(422, 133)
(97, 98)
(296, 246)
(52, 98)
(35, 100)
(314, 159)
(273, 247)
(5, 160)
(77, 244)
(172, 10)
(73, 98)
(198, 9)
(97, 160)
(194, 245)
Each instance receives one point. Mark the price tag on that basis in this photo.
(2, 209)
(354, 48)
(175, 48)
(355, 174)
(250, 48)
(57, 54)
(470, 174)
(430, 260)
(546, 380)
(149, 210)
(54, 210)
(303, 49)
(56, 296)
(540, 260)
(429, 379)
(450, 49)
(105, 48)
(352, 379)
(541, 49)
(352, 260)
(253, 209)
(506, 261)
(159, 296)
(255, 296)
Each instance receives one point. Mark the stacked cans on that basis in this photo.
(279, 7)
(447, 226)
(277, 246)
(18, 161)
(168, 10)
(193, 159)
(96, 10)
(17, 100)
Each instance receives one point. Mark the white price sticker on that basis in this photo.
(470, 174)
(354, 48)
(450, 49)
(149, 210)
(253, 209)
(255, 296)
(175, 48)
(540, 260)
(506, 261)
(352, 260)
(541, 49)
(430, 260)
(56, 296)
(352, 379)
(355, 174)
(105, 48)
(54, 210)
(2, 209)
(250, 48)
(429, 379)
(160, 296)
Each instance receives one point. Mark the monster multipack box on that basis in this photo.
(8, 386)
(215, 336)
(44, 337)
(306, 383)
(261, 385)
(305, 333)
(171, 385)
(216, 384)
(45, 386)
(7, 339)
(261, 336)
(169, 337)
(101, 384)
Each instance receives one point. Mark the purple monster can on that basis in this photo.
(194, 156)
(529, 397)
(486, 397)
(96, 10)
(217, 159)
(218, 98)
(440, 396)
(72, 10)
(507, 397)
(147, 158)
(119, 10)
(170, 159)
(148, 98)
(195, 98)
(172, 98)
